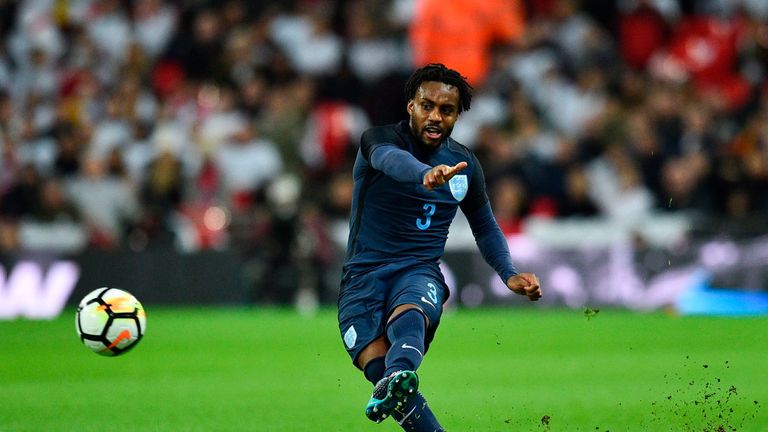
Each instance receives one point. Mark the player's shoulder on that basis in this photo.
(382, 134)
(456, 147)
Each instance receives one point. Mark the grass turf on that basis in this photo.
(489, 370)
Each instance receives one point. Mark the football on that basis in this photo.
(110, 321)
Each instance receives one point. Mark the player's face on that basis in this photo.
(433, 110)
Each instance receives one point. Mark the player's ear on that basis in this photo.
(410, 106)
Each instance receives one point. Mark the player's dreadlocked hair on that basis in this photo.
(438, 72)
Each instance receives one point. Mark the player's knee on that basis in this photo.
(377, 348)
(410, 323)
(399, 311)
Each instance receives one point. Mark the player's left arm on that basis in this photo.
(491, 241)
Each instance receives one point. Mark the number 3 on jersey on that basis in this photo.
(429, 210)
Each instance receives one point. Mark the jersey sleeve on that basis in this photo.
(488, 236)
(376, 137)
(491, 241)
(476, 195)
(379, 147)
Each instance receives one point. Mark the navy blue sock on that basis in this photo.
(374, 370)
(416, 416)
(406, 334)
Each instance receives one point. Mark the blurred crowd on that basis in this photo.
(141, 124)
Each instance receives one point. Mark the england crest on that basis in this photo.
(350, 337)
(459, 186)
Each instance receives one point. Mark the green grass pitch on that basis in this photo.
(528, 369)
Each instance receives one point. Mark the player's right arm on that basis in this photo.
(400, 164)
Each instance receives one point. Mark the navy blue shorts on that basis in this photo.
(367, 299)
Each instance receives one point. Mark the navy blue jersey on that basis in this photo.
(392, 220)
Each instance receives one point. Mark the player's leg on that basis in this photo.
(416, 304)
(415, 414)
(390, 391)
(406, 333)
(363, 315)
(362, 321)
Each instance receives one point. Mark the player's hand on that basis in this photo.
(440, 175)
(526, 284)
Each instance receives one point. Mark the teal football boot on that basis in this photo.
(391, 392)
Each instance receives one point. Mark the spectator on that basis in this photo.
(155, 23)
(10, 128)
(374, 52)
(109, 205)
(22, 197)
(331, 136)
(9, 236)
(246, 163)
(337, 205)
(114, 129)
(67, 159)
(306, 37)
(283, 119)
(509, 204)
(461, 33)
(109, 27)
(200, 46)
(161, 196)
(55, 225)
(617, 188)
(643, 31)
(576, 201)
